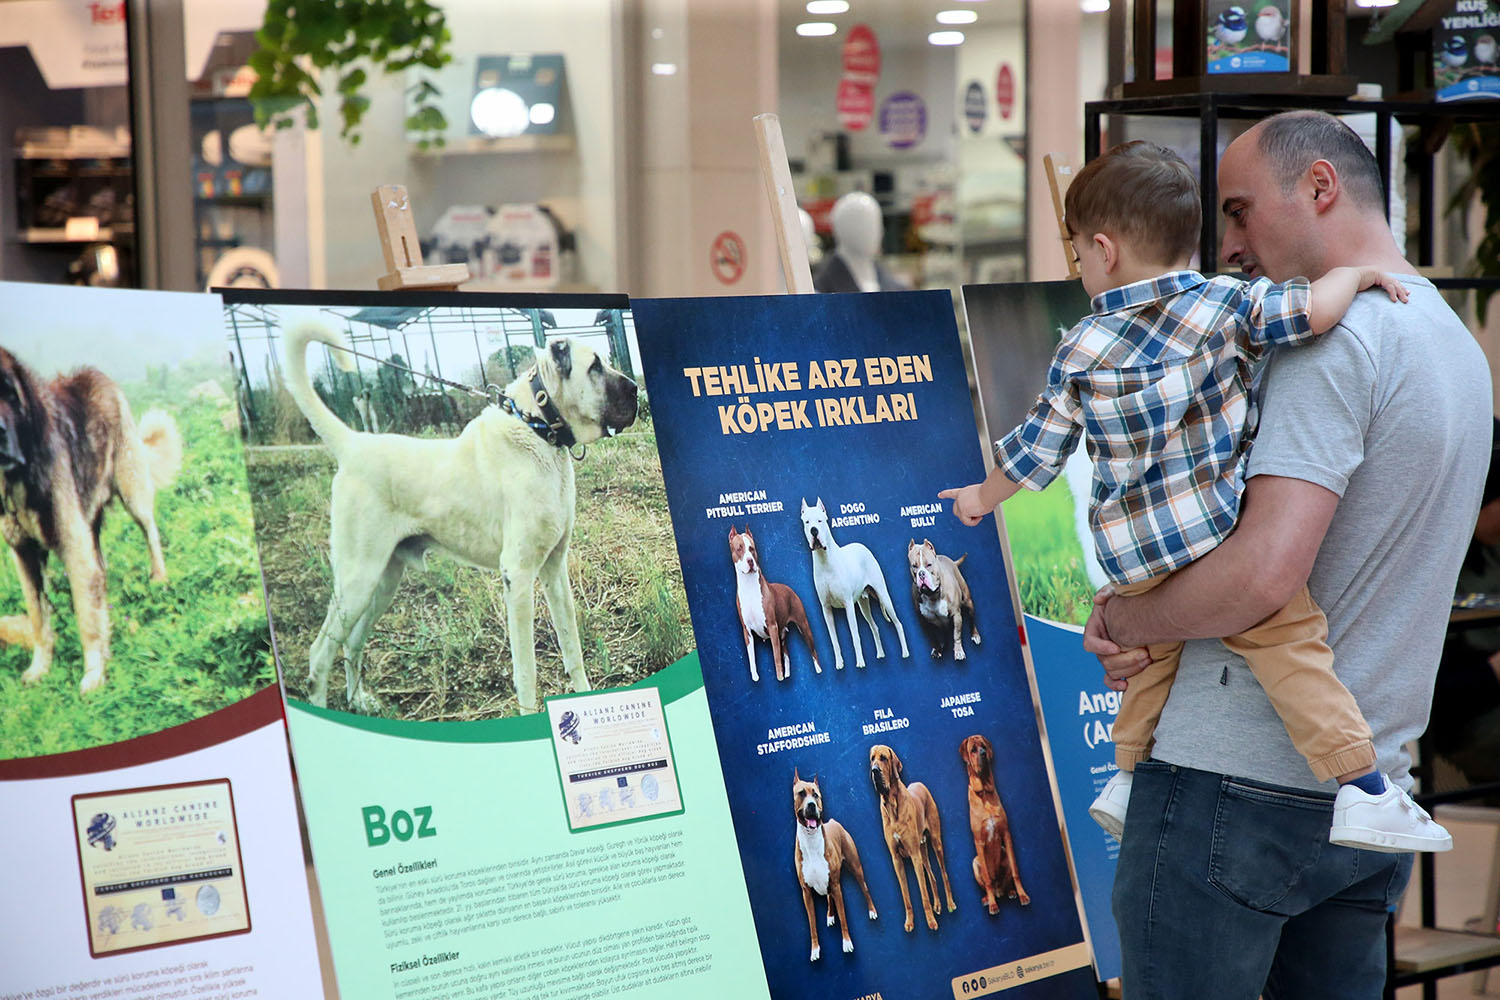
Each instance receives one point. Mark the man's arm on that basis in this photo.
(1254, 573)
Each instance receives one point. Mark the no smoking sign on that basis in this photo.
(727, 258)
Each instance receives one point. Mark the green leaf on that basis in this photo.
(348, 36)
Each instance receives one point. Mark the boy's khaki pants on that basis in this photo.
(1289, 655)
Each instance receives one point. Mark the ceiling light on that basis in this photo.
(825, 7)
(1094, 6)
(946, 38)
(664, 69)
(1375, 3)
(812, 29)
(956, 17)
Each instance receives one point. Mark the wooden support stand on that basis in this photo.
(1058, 179)
(403, 253)
(785, 217)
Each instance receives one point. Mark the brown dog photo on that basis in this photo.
(942, 597)
(909, 816)
(67, 448)
(766, 610)
(995, 866)
(824, 852)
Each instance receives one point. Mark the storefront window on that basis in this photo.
(923, 107)
(67, 203)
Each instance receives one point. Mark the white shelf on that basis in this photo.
(60, 235)
(516, 144)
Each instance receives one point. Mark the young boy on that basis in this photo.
(1158, 375)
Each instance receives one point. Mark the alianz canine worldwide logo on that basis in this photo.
(567, 727)
(101, 831)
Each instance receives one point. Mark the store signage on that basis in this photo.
(903, 120)
(861, 55)
(1005, 91)
(855, 104)
(75, 43)
(728, 257)
(975, 110)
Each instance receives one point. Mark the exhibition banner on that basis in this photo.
(858, 647)
(1013, 330)
(151, 827)
(505, 797)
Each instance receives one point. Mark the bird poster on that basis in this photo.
(1253, 37)
(1464, 51)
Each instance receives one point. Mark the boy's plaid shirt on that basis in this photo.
(1159, 376)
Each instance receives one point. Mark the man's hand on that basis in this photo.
(968, 503)
(1119, 664)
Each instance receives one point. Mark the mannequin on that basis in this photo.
(857, 231)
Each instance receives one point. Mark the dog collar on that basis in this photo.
(550, 426)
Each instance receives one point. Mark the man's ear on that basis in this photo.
(1323, 180)
(1111, 251)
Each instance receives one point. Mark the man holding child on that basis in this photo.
(1229, 539)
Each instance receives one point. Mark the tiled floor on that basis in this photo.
(1463, 878)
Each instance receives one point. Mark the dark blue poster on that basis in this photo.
(887, 764)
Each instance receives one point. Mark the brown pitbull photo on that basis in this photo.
(942, 597)
(766, 610)
(910, 818)
(994, 853)
(823, 853)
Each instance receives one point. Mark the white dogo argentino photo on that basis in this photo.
(500, 496)
(845, 577)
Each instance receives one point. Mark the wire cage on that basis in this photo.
(412, 363)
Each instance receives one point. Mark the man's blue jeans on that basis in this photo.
(1227, 888)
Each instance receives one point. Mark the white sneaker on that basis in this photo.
(1390, 822)
(1109, 808)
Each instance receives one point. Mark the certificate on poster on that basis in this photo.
(614, 758)
(160, 866)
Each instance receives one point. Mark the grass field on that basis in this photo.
(441, 651)
(1048, 555)
(181, 650)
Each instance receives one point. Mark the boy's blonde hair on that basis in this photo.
(1141, 193)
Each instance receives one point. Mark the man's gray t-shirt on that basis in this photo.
(1390, 410)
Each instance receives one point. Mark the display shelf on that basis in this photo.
(516, 144)
(1209, 108)
(249, 200)
(73, 151)
(105, 234)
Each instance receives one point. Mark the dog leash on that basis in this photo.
(550, 426)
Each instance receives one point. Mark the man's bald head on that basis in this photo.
(1291, 142)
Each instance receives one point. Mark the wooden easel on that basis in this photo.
(1058, 179)
(403, 254)
(785, 217)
